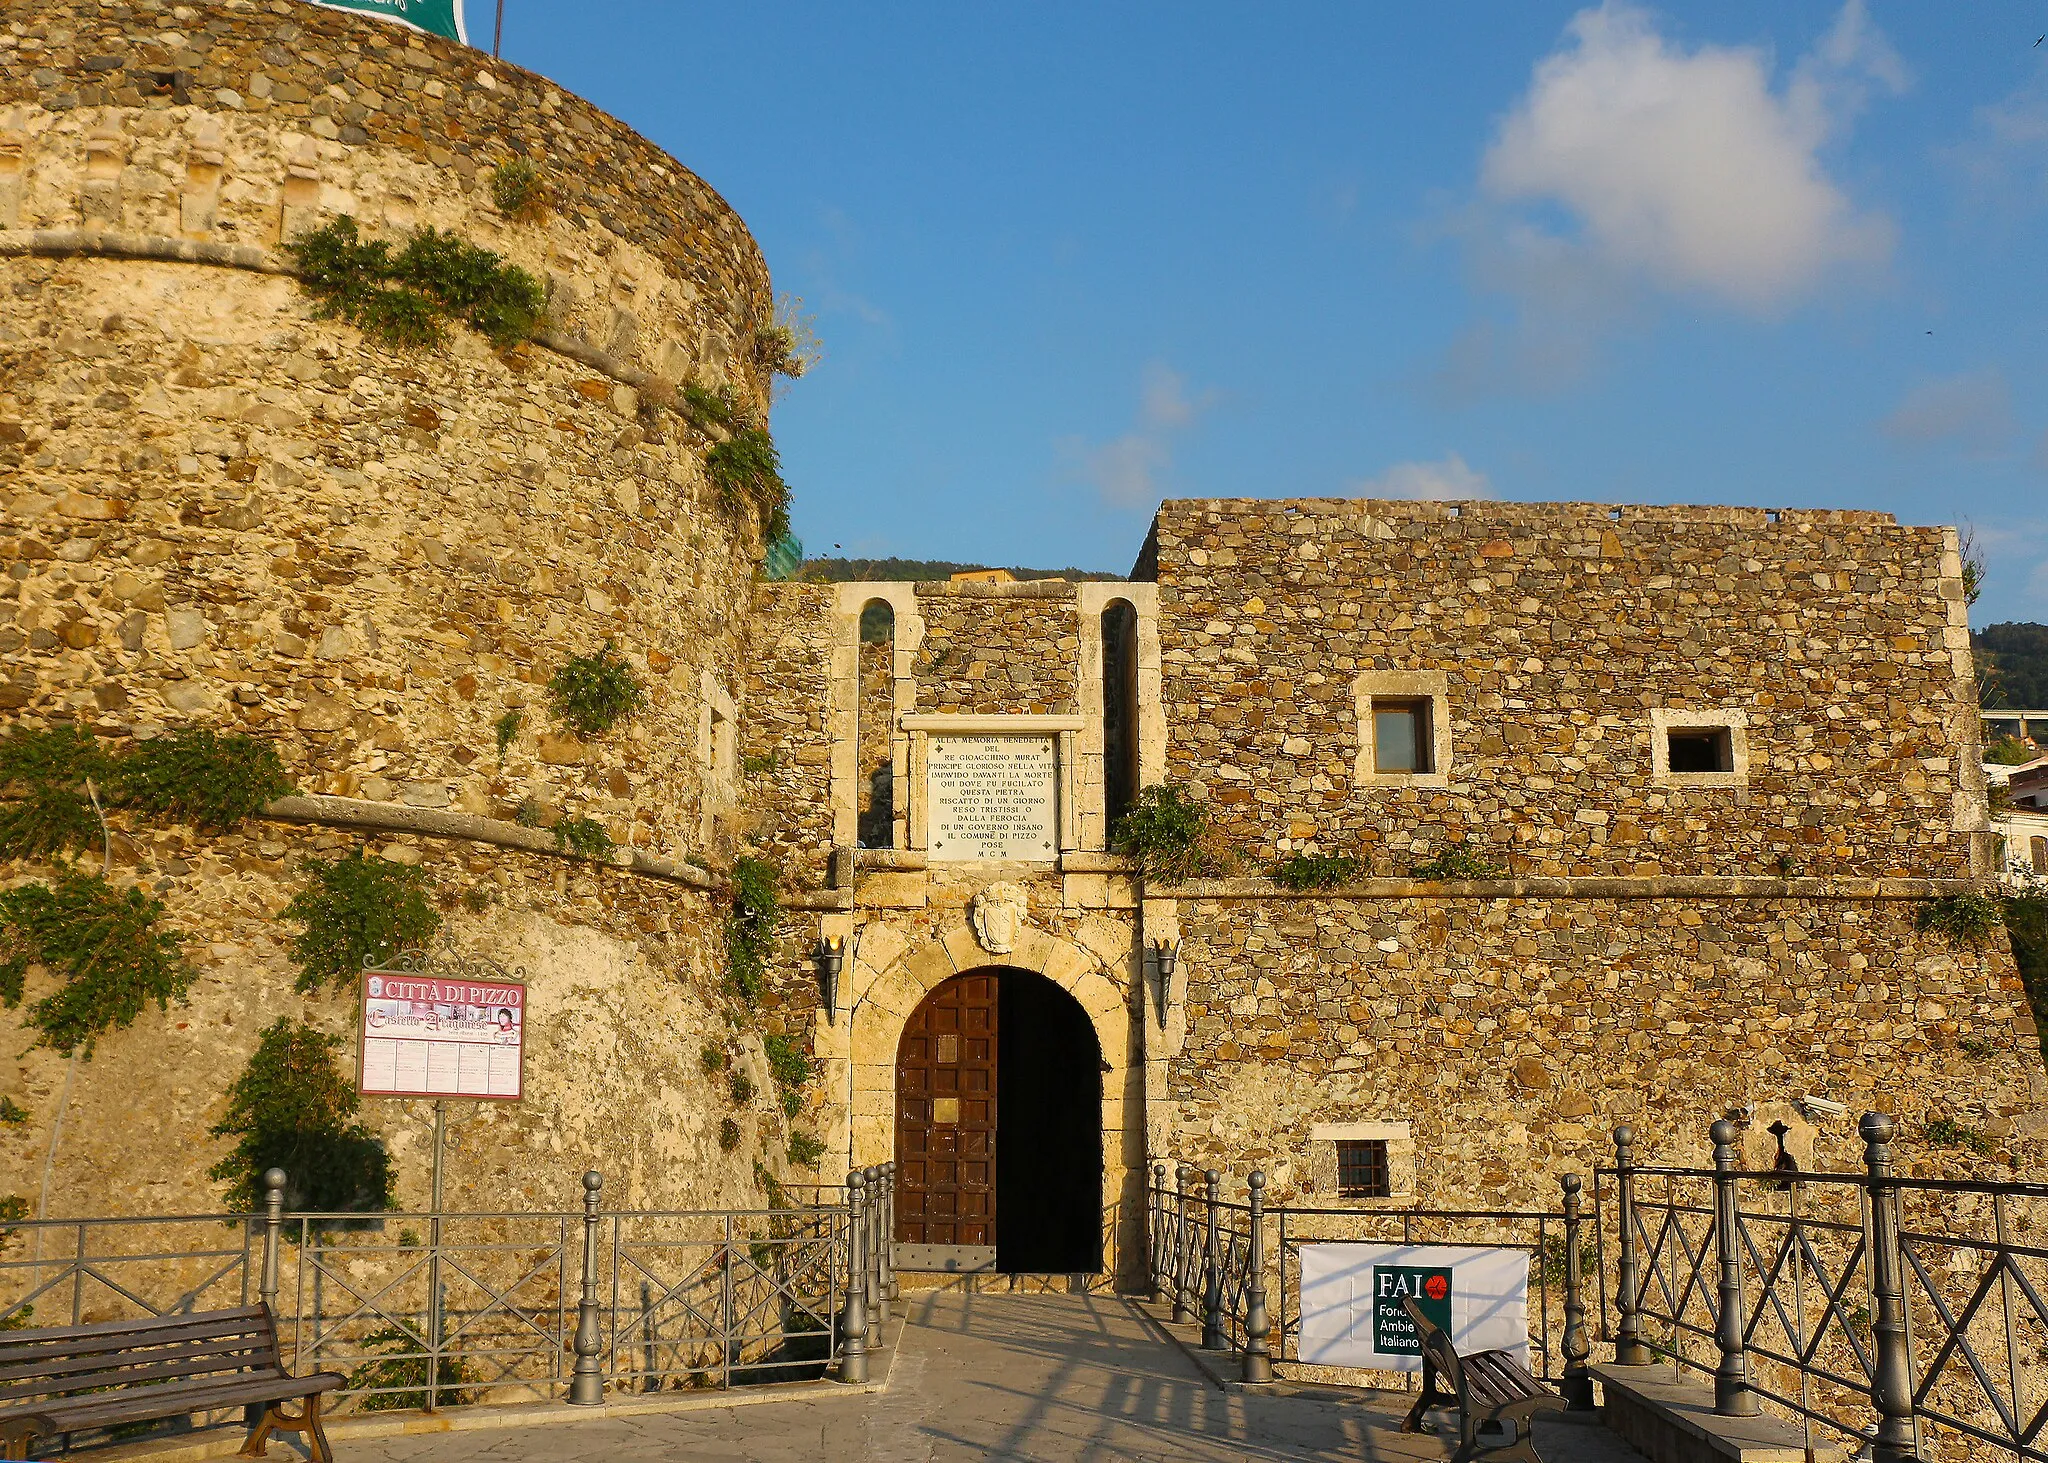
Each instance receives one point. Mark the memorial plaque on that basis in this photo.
(992, 797)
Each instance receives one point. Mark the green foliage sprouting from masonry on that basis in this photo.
(786, 344)
(193, 775)
(506, 729)
(107, 946)
(806, 1149)
(405, 298)
(747, 472)
(1948, 1133)
(750, 926)
(1458, 862)
(399, 1362)
(742, 465)
(712, 1059)
(13, 1209)
(729, 1134)
(584, 837)
(12, 1113)
(1166, 831)
(351, 908)
(792, 1069)
(520, 191)
(590, 694)
(2026, 925)
(742, 1087)
(1316, 870)
(294, 1108)
(1964, 921)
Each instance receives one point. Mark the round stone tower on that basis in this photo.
(219, 508)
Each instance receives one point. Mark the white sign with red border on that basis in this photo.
(425, 1035)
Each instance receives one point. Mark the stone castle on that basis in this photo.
(1704, 764)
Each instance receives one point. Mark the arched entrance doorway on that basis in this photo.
(999, 1128)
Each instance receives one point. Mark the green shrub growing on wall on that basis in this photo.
(584, 837)
(194, 775)
(1964, 921)
(403, 299)
(1167, 832)
(351, 908)
(590, 694)
(729, 1134)
(747, 472)
(520, 191)
(1315, 870)
(786, 344)
(792, 1069)
(107, 945)
(1458, 861)
(806, 1149)
(294, 1108)
(12, 1113)
(1948, 1133)
(506, 729)
(45, 772)
(750, 926)
(2026, 925)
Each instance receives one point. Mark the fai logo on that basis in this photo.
(1393, 1330)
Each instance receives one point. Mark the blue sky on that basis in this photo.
(1068, 259)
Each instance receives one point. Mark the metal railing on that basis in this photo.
(1218, 1263)
(438, 1310)
(1905, 1313)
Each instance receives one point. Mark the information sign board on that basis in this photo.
(429, 1035)
(1351, 1294)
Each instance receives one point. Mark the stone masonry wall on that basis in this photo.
(1514, 1034)
(789, 800)
(992, 648)
(1559, 626)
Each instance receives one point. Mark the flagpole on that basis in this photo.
(498, 35)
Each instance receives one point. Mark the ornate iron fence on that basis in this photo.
(1905, 1313)
(439, 1310)
(1219, 1262)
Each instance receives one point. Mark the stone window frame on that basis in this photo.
(1399, 1137)
(1663, 721)
(717, 753)
(1431, 686)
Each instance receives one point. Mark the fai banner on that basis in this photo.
(1351, 1294)
(435, 17)
(441, 1036)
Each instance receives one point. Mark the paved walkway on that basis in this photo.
(1040, 1377)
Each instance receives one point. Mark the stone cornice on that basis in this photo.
(336, 812)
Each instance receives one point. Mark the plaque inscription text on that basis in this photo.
(992, 797)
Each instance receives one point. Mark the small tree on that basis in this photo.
(352, 908)
(294, 1108)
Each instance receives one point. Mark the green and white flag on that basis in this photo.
(435, 17)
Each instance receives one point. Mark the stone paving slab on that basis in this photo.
(1037, 1377)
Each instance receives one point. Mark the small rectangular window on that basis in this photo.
(1362, 1169)
(1401, 735)
(1700, 749)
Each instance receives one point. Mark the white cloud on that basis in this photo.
(1129, 470)
(1450, 479)
(2006, 157)
(1973, 411)
(1685, 166)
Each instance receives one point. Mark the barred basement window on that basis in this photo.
(1362, 1169)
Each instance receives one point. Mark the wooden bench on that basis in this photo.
(65, 1379)
(1487, 1386)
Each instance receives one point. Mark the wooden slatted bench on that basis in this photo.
(1487, 1386)
(65, 1379)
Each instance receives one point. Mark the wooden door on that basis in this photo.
(946, 1129)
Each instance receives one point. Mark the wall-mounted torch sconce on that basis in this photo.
(1165, 954)
(830, 955)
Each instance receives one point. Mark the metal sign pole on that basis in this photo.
(434, 1308)
(498, 34)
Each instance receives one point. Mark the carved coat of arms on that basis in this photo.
(997, 915)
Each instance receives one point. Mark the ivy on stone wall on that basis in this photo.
(1315, 870)
(108, 946)
(192, 775)
(1167, 832)
(354, 907)
(750, 927)
(406, 298)
(590, 694)
(294, 1108)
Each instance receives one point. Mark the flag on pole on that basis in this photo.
(435, 17)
